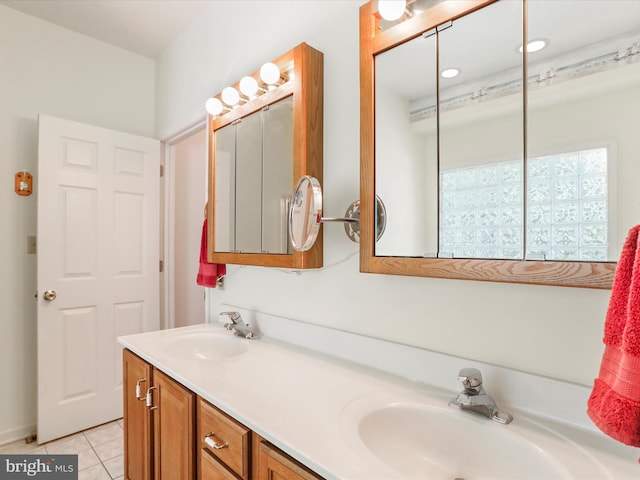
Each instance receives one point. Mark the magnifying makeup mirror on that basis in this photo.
(305, 215)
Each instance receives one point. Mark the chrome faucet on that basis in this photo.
(475, 399)
(234, 322)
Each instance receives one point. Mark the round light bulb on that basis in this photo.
(230, 96)
(450, 73)
(213, 106)
(248, 86)
(391, 9)
(270, 73)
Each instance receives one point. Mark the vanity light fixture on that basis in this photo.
(535, 45)
(450, 73)
(392, 9)
(270, 73)
(214, 106)
(249, 87)
(230, 96)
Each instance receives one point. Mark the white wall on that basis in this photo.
(48, 69)
(551, 331)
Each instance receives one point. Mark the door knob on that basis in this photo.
(49, 295)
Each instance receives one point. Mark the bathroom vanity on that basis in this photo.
(173, 433)
(214, 405)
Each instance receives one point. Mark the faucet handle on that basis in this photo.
(471, 379)
(229, 318)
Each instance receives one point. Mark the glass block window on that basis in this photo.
(567, 209)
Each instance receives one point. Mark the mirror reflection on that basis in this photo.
(406, 147)
(305, 214)
(481, 134)
(452, 165)
(254, 174)
(583, 99)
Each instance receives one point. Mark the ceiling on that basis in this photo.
(145, 27)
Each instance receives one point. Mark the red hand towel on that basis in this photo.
(614, 404)
(208, 273)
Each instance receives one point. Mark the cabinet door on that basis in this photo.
(174, 436)
(137, 421)
(275, 465)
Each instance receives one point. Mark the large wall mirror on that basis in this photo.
(488, 177)
(259, 145)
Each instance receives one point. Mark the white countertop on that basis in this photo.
(309, 404)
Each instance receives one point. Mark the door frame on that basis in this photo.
(167, 194)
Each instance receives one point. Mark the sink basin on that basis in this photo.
(438, 442)
(206, 345)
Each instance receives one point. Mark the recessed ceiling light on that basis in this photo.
(450, 73)
(535, 45)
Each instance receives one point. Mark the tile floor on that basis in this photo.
(100, 450)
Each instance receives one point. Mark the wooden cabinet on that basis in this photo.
(173, 429)
(172, 434)
(271, 463)
(159, 419)
(137, 421)
(211, 469)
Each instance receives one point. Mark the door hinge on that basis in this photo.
(161, 266)
(162, 170)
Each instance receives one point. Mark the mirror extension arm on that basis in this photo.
(305, 215)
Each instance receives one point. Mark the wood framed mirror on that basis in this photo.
(258, 149)
(435, 257)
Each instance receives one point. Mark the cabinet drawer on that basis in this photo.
(273, 463)
(212, 469)
(224, 438)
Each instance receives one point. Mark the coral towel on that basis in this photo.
(614, 404)
(208, 273)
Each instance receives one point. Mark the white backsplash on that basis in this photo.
(561, 401)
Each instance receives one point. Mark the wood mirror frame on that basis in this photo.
(305, 82)
(372, 42)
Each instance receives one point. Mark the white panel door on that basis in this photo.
(98, 250)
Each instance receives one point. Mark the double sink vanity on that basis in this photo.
(256, 409)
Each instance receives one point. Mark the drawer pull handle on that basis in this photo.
(149, 398)
(139, 389)
(212, 443)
